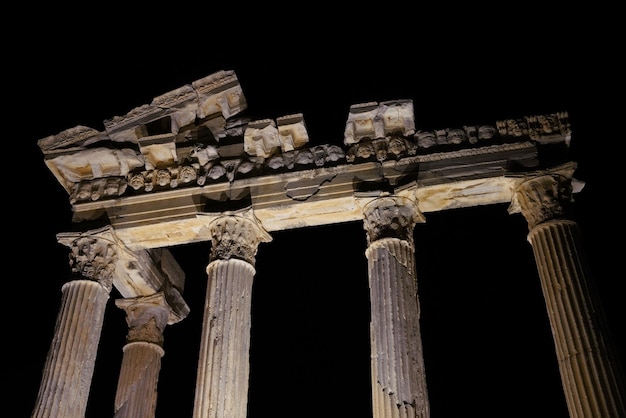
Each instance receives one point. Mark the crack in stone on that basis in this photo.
(304, 189)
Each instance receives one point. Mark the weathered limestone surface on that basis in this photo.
(191, 167)
(156, 173)
(142, 272)
(99, 261)
(223, 365)
(590, 374)
(69, 367)
(398, 373)
(136, 395)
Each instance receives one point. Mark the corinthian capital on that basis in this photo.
(92, 255)
(237, 234)
(391, 217)
(544, 196)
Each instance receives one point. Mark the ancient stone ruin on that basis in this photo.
(187, 168)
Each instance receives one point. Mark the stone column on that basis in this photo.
(147, 316)
(223, 365)
(397, 364)
(69, 366)
(591, 378)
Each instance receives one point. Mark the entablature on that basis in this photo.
(158, 172)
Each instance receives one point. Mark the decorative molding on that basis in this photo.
(544, 195)
(237, 234)
(93, 257)
(189, 137)
(391, 217)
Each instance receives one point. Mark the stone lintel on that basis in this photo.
(326, 195)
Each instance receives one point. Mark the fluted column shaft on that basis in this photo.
(223, 365)
(397, 364)
(136, 395)
(591, 386)
(591, 377)
(69, 366)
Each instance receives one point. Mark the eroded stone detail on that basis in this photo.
(187, 138)
(261, 138)
(237, 235)
(398, 371)
(541, 128)
(303, 189)
(219, 94)
(383, 149)
(93, 258)
(545, 196)
(468, 134)
(146, 316)
(97, 163)
(99, 189)
(136, 393)
(190, 137)
(372, 120)
(391, 217)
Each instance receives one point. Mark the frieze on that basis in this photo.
(540, 128)
(214, 170)
(150, 150)
(98, 189)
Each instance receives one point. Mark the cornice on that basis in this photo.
(190, 151)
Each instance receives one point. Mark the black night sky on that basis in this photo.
(488, 347)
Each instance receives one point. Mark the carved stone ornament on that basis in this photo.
(147, 317)
(93, 258)
(237, 234)
(188, 138)
(545, 196)
(391, 217)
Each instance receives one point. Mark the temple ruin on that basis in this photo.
(187, 168)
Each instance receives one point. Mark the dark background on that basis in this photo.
(488, 348)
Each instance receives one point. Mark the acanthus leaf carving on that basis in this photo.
(545, 195)
(237, 234)
(391, 217)
(93, 258)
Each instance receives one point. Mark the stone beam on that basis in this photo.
(158, 174)
(318, 196)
